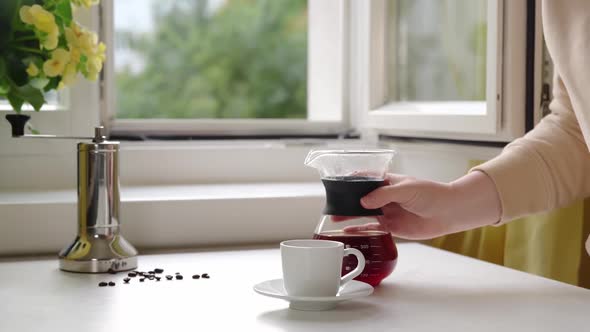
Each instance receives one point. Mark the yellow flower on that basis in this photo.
(56, 65)
(92, 76)
(69, 74)
(72, 34)
(74, 54)
(94, 64)
(93, 67)
(88, 42)
(101, 49)
(25, 14)
(51, 40)
(78, 37)
(32, 70)
(42, 19)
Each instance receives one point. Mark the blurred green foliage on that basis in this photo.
(246, 59)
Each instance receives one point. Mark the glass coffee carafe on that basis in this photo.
(348, 175)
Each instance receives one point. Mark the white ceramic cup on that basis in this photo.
(313, 267)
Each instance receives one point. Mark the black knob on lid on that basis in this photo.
(18, 122)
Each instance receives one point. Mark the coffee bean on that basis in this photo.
(179, 277)
(196, 276)
(205, 275)
(126, 280)
(102, 284)
(142, 280)
(177, 273)
(112, 283)
(158, 278)
(169, 277)
(152, 272)
(132, 274)
(158, 271)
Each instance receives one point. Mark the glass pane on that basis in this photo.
(211, 58)
(439, 50)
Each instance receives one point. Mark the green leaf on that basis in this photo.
(63, 9)
(39, 82)
(15, 101)
(29, 94)
(52, 85)
(4, 87)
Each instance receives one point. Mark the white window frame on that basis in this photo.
(326, 105)
(503, 117)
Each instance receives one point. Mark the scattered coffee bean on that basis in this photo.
(142, 280)
(102, 284)
(169, 277)
(158, 271)
(205, 275)
(126, 280)
(158, 278)
(152, 272)
(178, 277)
(132, 274)
(196, 276)
(177, 273)
(112, 283)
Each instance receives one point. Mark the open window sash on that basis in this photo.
(500, 117)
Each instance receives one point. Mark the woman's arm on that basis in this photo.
(546, 169)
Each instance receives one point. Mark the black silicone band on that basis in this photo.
(343, 196)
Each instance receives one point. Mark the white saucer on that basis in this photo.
(351, 290)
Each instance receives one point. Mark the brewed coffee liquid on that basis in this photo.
(378, 248)
(343, 195)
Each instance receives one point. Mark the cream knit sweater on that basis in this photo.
(550, 166)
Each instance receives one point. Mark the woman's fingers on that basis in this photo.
(367, 227)
(397, 193)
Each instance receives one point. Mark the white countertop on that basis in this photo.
(430, 290)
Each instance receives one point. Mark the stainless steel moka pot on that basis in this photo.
(99, 246)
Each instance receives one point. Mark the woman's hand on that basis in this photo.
(421, 209)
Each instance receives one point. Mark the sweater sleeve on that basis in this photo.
(547, 168)
(550, 166)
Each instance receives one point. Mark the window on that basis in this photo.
(220, 67)
(419, 68)
(363, 72)
(440, 68)
(211, 59)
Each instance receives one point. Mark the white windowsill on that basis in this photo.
(175, 193)
(168, 216)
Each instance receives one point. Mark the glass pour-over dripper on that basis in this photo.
(348, 175)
